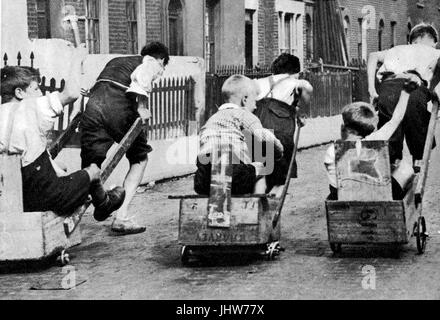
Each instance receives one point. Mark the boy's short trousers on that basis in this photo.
(108, 117)
(279, 117)
(243, 178)
(414, 127)
(43, 190)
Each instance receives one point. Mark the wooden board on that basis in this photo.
(33, 236)
(380, 222)
(11, 194)
(363, 171)
(219, 204)
(249, 224)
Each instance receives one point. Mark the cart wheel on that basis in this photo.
(421, 235)
(336, 247)
(184, 255)
(63, 258)
(273, 250)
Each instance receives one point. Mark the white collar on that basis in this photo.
(226, 106)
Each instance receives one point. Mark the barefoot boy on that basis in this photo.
(360, 123)
(231, 124)
(26, 117)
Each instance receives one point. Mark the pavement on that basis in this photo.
(147, 266)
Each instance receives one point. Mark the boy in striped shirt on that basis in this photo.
(233, 126)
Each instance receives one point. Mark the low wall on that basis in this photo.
(177, 157)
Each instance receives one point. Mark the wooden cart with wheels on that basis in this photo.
(226, 224)
(365, 212)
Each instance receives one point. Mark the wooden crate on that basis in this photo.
(27, 235)
(249, 224)
(34, 236)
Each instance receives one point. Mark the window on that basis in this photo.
(132, 26)
(175, 19)
(92, 25)
(361, 33)
(309, 37)
(289, 24)
(380, 34)
(347, 33)
(249, 37)
(210, 33)
(43, 19)
(393, 34)
(409, 32)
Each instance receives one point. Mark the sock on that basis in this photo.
(98, 193)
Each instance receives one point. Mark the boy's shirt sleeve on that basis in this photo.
(47, 109)
(254, 126)
(143, 76)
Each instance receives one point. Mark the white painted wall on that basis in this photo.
(14, 30)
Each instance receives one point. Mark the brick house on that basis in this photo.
(222, 31)
(369, 25)
(427, 11)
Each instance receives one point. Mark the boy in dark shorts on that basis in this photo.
(421, 58)
(117, 99)
(26, 117)
(277, 106)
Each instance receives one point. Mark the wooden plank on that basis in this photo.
(54, 235)
(21, 236)
(351, 222)
(219, 205)
(58, 145)
(33, 236)
(363, 170)
(420, 189)
(248, 225)
(115, 157)
(11, 189)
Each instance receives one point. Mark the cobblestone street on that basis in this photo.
(148, 266)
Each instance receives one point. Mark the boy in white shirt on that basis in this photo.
(420, 58)
(360, 123)
(277, 107)
(26, 118)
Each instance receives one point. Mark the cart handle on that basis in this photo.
(300, 124)
(420, 188)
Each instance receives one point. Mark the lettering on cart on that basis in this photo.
(221, 237)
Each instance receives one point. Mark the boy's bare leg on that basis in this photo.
(124, 223)
(260, 186)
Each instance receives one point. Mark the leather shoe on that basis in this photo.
(123, 228)
(114, 200)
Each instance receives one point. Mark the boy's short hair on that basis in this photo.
(156, 50)
(13, 77)
(286, 63)
(360, 117)
(237, 85)
(421, 30)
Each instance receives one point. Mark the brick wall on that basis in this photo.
(428, 12)
(390, 10)
(268, 32)
(32, 19)
(154, 20)
(117, 22)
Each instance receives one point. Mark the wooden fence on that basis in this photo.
(214, 83)
(171, 104)
(331, 92)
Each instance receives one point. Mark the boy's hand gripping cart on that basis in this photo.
(365, 212)
(222, 223)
